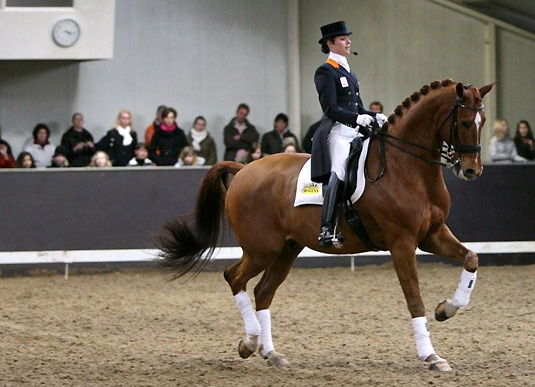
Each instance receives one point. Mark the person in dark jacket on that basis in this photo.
(272, 142)
(202, 142)
(120, 142)
(524, 140)
(239, 135)
(78, 142)
(344, 114)
(168, 140)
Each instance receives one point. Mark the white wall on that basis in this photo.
(199, 56)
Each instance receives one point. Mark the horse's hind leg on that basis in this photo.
(237, 277)
(264, 292)
(404, 258)
(443, 243)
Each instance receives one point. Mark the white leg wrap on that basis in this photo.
(265, 341)
(252, 327)
(464, 289)
(421, 335)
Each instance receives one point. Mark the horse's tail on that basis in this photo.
(193, 238)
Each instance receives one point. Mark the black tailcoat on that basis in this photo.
(340, 101)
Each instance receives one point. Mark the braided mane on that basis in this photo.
(413, 99)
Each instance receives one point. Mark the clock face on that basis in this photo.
(66, 33)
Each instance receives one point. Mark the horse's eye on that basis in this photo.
(466, 124)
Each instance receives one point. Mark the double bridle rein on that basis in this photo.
(447, 152)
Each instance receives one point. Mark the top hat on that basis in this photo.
(334, 29)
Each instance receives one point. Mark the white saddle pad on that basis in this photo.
(308, 192)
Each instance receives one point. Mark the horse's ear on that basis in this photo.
(460, 90)
(485, 89)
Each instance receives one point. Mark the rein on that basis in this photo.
(447, 152)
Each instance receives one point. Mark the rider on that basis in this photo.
(344, 114)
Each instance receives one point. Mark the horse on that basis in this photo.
(404, 207)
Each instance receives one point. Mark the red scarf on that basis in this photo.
(166, 128)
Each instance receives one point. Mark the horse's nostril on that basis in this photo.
(470, 172)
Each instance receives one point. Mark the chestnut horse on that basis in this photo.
(404, 207)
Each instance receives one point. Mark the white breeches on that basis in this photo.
(340, 139)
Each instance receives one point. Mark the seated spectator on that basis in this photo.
(289, 147)
(524, 140)
(100, 160)
(141, 159)
(502, 146)
(239, 135)
(6, 157)
(188, 158)
(78, 142)
(40, 147)
(59, 159)
(168, 140)
(149, 132)
(120, 142)
(376, 107)
(25, 160)
(6, 143)
(307, 140)
(249, 157)
(272, 142)
(202, 142)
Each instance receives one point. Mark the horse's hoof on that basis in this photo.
(438, 364)
(243, 350)
(276, 359)
(445, 310)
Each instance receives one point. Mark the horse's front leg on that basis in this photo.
(404, 258)
(443, 243)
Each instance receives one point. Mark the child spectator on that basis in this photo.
(202, 142)
(25, 160)
(119, 143)
(168, 140)
(6, 158)
(141, 159)
(40, 147)
(78, 142)
(524, 140)
(502, 146)
(188, 158)
(100, 160)
(289, 148)
(59, 159)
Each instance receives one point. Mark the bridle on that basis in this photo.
(447, 152)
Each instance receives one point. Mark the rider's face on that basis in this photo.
(341, 45)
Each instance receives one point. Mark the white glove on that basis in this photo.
(364, 120)
(381, 119)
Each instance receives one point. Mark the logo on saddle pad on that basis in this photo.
(310, 189)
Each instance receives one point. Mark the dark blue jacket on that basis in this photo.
(339, 96)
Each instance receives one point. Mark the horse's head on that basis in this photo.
(464, 132)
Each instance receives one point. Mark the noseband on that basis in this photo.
(453, 147)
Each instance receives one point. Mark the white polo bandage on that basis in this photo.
(464, 289)
(252, 327)
(265, 341)
(422, 337)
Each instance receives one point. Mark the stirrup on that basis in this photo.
(329, 237)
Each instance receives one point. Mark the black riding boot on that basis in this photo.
(331, 194)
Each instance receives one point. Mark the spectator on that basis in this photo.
(141, 159)
(307, 140)
(376, 107)
(5, 143)
(168, 140)
(40, 147)
(119, 143)
(59, 159)
(239, 135)
(524, 140)
(25, 160)
(149, 132)
(100, 160)
(6, 158)
(249, 157)
(502, 147)
(289, 147)
(202, 142)
(188, 158)
(78, 142)
(272, 142)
